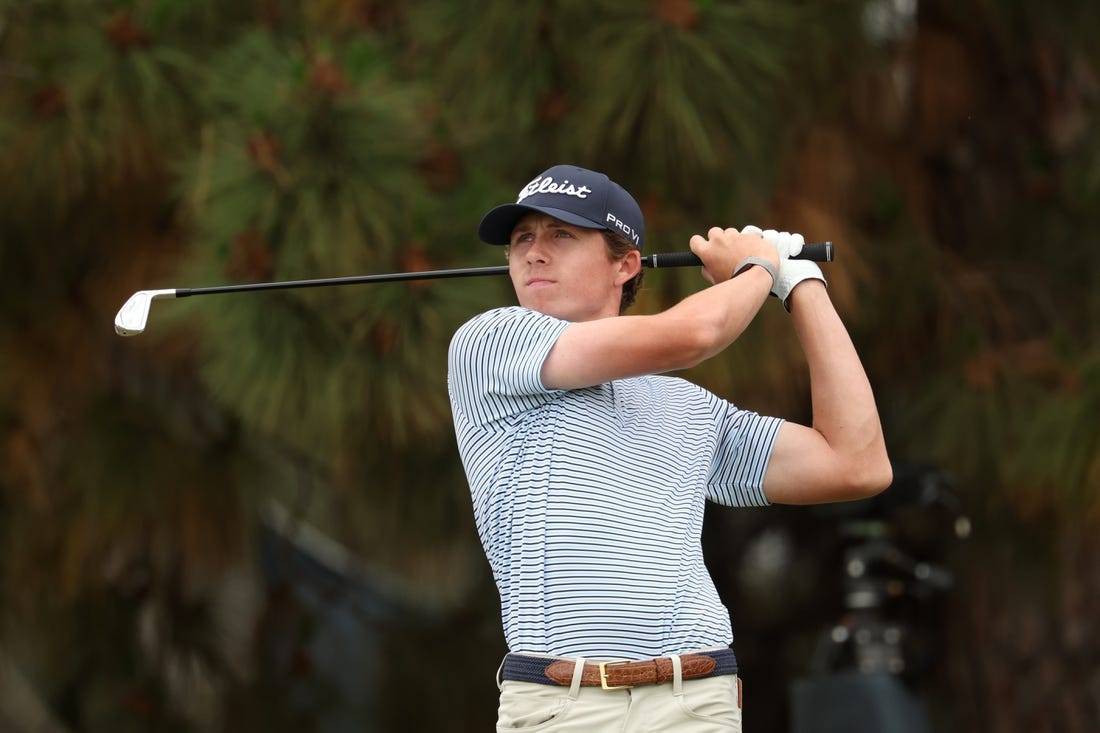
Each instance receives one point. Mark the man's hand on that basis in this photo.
(791, 272)
(724, 250)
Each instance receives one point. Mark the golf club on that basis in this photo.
(134, 314)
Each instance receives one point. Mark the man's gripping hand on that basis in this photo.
(791, 272)
(723, 251)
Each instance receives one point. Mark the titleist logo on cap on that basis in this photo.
(547, 185)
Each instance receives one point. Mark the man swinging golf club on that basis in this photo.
(589, 473)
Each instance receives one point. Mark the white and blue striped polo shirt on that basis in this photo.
(589, 502)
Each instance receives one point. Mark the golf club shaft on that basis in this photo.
(818, 252)
(134, 314)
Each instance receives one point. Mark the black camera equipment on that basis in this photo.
(867, 667)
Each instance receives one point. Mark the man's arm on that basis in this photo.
(695, 329)
(843, 456)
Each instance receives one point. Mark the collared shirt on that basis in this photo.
(589, 502)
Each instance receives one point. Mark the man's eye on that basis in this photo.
(563, 233)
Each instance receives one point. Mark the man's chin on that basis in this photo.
(546, 307)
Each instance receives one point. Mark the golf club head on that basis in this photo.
(134, 313)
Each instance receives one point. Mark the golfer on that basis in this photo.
(589, 472)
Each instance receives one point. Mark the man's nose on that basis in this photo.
(539, 250)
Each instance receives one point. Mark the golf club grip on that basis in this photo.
(815, 251)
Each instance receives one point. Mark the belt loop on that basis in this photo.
(500, 669)
(677, 675)
(578, 675)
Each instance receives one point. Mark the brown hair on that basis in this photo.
(618, 247)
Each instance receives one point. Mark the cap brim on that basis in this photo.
(496, 226)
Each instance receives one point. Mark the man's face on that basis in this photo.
(564, 270)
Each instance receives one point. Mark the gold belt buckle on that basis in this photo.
(603, 676)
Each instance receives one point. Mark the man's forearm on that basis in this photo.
(695, 329)
(725, 310)
(844, 409)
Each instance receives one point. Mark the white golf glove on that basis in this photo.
(791, 272)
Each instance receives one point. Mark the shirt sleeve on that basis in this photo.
(494, 363)
(744, 448)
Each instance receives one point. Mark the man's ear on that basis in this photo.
(629, 266)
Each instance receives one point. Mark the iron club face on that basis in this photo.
(134, 314)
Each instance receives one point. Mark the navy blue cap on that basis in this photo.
(574, 196)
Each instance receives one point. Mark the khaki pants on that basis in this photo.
(701, 705)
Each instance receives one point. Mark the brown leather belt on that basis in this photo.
(618, 675)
